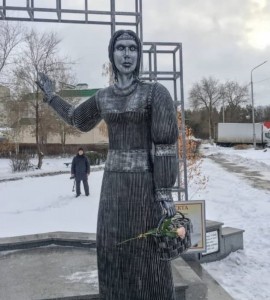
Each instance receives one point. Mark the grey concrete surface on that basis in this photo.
(61, 238)
(48, 273)
(54, 272)
(197, 289)
(215, 291)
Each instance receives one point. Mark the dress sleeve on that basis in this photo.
(84, 117)
(164, 132)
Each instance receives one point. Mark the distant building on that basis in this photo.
(75, 95)
(4, 97)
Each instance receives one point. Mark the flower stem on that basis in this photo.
(143, 235)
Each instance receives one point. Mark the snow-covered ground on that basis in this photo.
(43, 204)
(231, 199)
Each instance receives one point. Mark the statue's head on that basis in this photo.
(125, 52)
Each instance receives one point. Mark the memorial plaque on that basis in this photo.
(212, 242)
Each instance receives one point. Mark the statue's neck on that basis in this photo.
(124, 80)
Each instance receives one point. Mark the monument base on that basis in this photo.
(62, 266)
(220, 242)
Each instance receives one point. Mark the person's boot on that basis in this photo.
(78, 195)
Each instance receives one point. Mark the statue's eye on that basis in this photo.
(120, 48)
(133, 48)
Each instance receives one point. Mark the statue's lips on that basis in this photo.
(127, 64)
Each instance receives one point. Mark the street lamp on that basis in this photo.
(252, 99)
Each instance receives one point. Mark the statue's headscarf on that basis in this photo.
(113, 40)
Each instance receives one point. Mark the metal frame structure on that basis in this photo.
(153, 52)
(32, 11)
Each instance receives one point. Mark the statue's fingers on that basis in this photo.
(172, 210)
(39, 85)
(44, 78)
(40, 76)
(164, 209)
(168, 211)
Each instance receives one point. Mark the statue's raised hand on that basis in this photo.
(47, 87)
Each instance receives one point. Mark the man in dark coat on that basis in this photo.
(80, 169)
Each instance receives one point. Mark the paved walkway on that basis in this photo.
(257, 179)
(17, 176)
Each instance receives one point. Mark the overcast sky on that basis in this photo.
(222, 39)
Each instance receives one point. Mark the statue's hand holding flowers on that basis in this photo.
(172, 227)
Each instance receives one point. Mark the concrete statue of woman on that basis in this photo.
(135, 188)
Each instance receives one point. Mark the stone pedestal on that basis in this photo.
(220, 242)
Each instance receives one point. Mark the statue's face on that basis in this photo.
(125, 56)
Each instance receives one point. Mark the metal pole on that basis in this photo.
(253, 114)
(155, 61)
(150, 64)
(252, 101)
(183, 122)
(86, 10)
(137, 19)
(141, 20)
(141, 29)
(112, 17)
(223, 112)
(177, 144)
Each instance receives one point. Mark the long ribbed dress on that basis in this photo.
(133, 180)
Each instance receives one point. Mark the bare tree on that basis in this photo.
(10, 37)
(60, 128)
(107, 71)
(39, 54)
(15, 110)
(267, 113)
(64, 130)
(207, 94)
(235, 94)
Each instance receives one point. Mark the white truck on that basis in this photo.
(242, 133)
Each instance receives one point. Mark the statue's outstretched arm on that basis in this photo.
(164, 131)
(84, 117)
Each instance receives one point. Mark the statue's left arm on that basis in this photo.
(164, 131)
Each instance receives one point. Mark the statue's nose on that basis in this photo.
(127, 51)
